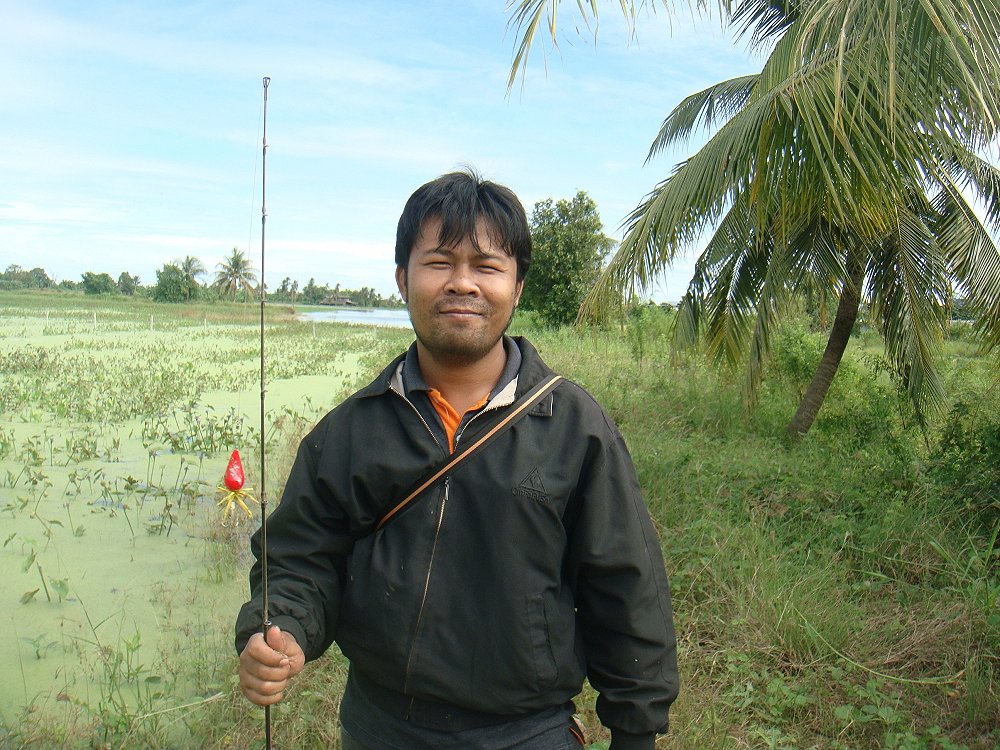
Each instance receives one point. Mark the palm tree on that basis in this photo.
(234, 274)
(193, 269)
(844, 166)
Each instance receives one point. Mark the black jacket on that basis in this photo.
(533, 565)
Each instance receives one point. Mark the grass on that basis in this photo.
(838, 593)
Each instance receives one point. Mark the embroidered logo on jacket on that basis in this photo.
(531, 486)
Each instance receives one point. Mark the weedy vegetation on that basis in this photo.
(116, 419)
(839, 593)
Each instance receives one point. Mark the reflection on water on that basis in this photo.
(398, 318)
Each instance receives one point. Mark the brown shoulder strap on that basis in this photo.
(531, 398)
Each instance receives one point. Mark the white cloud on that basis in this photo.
(30, 213)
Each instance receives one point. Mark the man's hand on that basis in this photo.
(266, 667)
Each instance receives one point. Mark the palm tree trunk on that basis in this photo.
(840, 334)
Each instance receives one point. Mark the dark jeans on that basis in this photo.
(554, 739)
(367, 727)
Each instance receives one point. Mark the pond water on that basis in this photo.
(118, 578)
(396, 318)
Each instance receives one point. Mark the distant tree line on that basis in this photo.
(16, 277)
(314, 294)
(181, 281)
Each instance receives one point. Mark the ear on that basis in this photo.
(518, 288)
(401, 282)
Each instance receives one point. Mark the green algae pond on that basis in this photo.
(117, 418)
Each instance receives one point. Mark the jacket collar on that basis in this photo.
(413, 380)
(530, 373)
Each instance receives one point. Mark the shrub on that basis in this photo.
(965, 463)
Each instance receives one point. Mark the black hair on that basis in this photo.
(459, 199)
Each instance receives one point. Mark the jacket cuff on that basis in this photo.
(624, 741)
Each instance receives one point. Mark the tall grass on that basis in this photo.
(838, 593)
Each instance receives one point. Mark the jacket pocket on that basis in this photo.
(538, 618)
(374, 618)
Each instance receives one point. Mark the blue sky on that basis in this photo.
(131, 131)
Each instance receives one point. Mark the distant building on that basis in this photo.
(337, 301)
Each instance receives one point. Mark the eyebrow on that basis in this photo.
(482, 252)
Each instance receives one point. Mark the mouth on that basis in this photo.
(459, 312)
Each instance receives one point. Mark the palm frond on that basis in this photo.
(527, 16)
(703, 308)
(781, 276)
(949, 46)
(859, 114)
(822, 253)
(728, 241)
(970, 252)
(762, 20)
(908, 286)
(757, 148)
(806, 254)
(732, 297)
(704, 109)
(969, 170)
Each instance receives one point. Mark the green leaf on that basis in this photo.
(27, 596)
(844, 713)
(8, 539)
(60, 586)
(28, 562)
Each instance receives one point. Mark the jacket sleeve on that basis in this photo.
(308, 540)
(622, 596)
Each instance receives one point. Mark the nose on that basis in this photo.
(462, 281)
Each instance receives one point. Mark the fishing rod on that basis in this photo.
(265, 618)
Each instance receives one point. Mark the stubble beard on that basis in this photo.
(459, 349)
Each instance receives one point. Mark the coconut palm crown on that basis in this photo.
(192, 269)
(233, 274)
(850, 165)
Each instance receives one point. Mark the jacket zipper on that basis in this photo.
(420, 417)
(427, 585)
(437, 534)
(430, 564)
(477, 415)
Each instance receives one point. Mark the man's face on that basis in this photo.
(461, 300)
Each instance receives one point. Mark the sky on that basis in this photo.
(131, 131)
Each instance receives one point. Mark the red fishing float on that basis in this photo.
(233, 492)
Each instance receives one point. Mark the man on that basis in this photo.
(471, 617)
